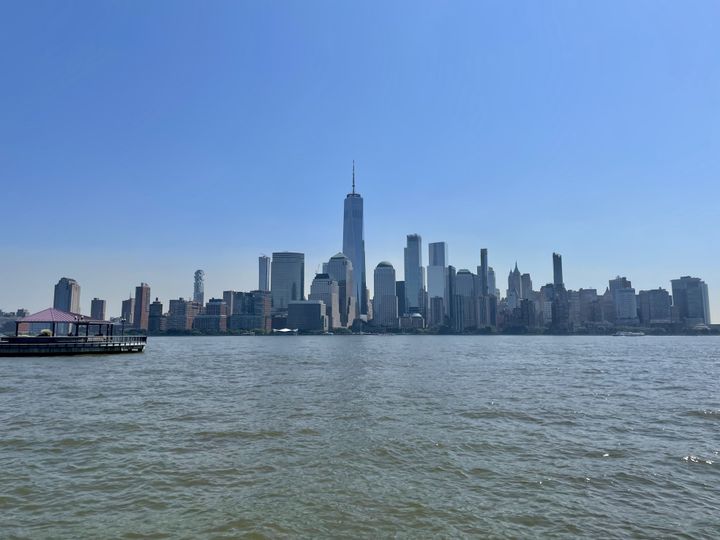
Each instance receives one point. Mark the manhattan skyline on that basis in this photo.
(596, 140)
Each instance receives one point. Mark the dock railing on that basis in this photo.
(74, 339)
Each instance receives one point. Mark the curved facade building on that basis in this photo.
(340, 269)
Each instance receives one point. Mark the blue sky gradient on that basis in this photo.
(140, 141)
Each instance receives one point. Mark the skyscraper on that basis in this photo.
(437, 252)
(67, 295)
(199, 287)
(287, 279)
(691, 300)
(655, 307)
(624, 302)
(492, 286)
(561, 301)
(514, 290)
(354, 245)
(142, 306)
(326, 289)
(263, 273)
(557, 270)
(436, 283)
(157, 322)
(385, 311)
(340, 269)
(466, 299)
(127, 312)
(526, 286)
(400, 293)
(97, 309)
(483, 273)
(455, 303)
(414, 275)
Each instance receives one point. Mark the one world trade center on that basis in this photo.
(354, 245)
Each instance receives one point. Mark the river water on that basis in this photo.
(365, 436)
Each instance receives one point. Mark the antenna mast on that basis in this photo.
(353, 177)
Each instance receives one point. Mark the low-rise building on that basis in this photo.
(307, 316)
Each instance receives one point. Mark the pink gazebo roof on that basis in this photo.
(52, 315)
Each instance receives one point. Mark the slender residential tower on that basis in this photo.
(354, 245)
(557, 270)
(199, 287)
(264, 273)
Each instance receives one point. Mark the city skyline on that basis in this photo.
(437, 251)
(554, 307)
(190, 153)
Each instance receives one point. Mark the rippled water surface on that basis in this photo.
(365, 436)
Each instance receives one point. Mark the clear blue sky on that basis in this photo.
(140, 141)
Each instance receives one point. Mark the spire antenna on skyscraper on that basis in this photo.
(353, 177)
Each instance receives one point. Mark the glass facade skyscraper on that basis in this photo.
(414, 275)
(287, 279)
(354, 245)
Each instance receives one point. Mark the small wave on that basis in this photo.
(500, 415)
(239, 434)
(695, 459)
(707, 414)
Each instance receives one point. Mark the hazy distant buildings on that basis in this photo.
(67, 295)
(691, 300)
(263, 273)
(199, 287)
(287, 279)
(526, 286)
(307, 316)
(325, 289)
(561, 299)
(385, 305)
(455, 306)
(514, 290)
(492, 286)
(414, 275)
(590, 308)
(624, 300)
(354, 246)
(625, 306)
(142, 306)
(340, 269)
(654, 307)
(97, 309)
